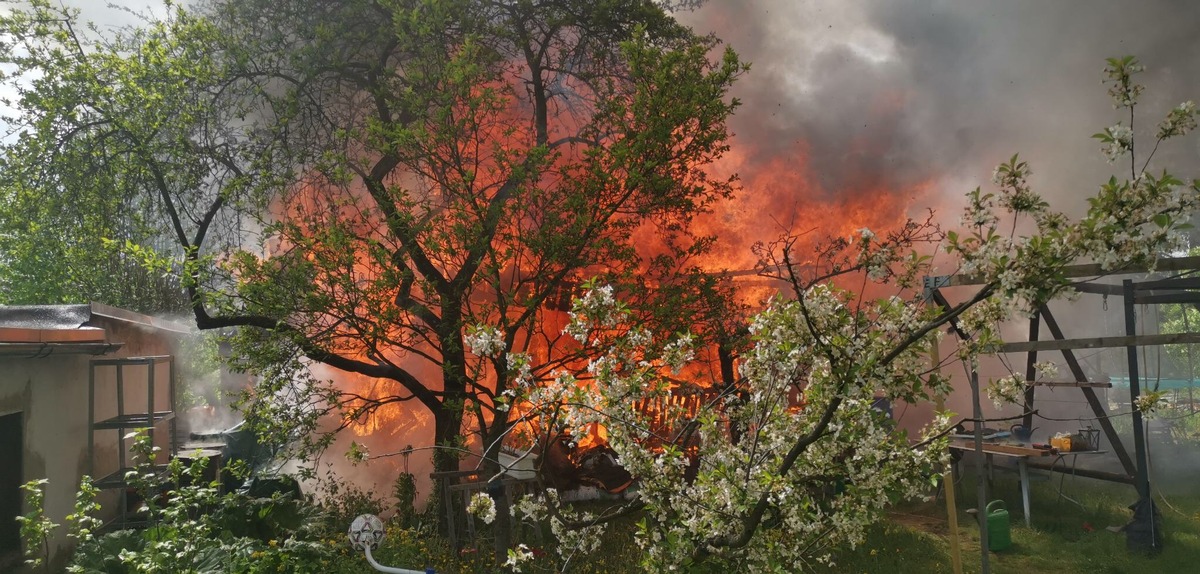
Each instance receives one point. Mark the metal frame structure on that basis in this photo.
(148, 419)
(1179, 290)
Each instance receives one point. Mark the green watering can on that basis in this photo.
(999, 536)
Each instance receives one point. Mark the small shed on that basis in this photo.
(59, 385)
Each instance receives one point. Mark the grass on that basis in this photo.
(1063, 537)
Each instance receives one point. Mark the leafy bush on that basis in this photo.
(342, 501)
(195, 528)
(200, 531)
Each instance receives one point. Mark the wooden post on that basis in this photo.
(948, 475)
(1031, 374)
(1139, 436)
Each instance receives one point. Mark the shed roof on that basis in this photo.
(40, 330)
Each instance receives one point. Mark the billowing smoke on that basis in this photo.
(861, 113)
(887, 96)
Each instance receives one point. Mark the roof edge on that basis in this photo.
(40, 350)
(110, 312)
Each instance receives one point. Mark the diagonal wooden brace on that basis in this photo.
(1093, 401)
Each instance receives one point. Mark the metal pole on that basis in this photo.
(980, 488)
(1139, 433)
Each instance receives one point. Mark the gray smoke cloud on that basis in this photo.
(901, 91)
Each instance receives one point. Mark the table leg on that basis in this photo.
(1024, 487)
(1062, 480)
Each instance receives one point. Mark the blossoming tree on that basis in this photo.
(795, 460)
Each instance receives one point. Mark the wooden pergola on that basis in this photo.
(1175, 282)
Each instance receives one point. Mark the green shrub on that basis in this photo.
(195, 528)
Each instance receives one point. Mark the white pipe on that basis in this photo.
(389, 569)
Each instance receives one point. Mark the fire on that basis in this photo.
(784, 195)
(782, 192)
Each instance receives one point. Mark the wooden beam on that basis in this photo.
(1156, 298)
(1077, 384)
(1171, 283)
(1100, 342)
(1146, 296)
(1010, 449)
(1084, 472)
(1090, 270)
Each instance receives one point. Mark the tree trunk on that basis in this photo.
(449, 417)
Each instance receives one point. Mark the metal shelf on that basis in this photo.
(140, 377)
(135, 420)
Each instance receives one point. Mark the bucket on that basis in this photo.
(999, 533)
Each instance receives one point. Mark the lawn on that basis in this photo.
(1063, 538)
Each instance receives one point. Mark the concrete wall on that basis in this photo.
(52, 394)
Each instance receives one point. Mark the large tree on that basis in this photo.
(406, 169)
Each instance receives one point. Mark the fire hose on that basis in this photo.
(366, 532)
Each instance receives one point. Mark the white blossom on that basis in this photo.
(485, 341)
(1149, 402)
(482, 507)
(517, 557)
(1007, 390)
(1118, 140)
(1180, 121)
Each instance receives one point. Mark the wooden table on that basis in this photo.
(1022, 454)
